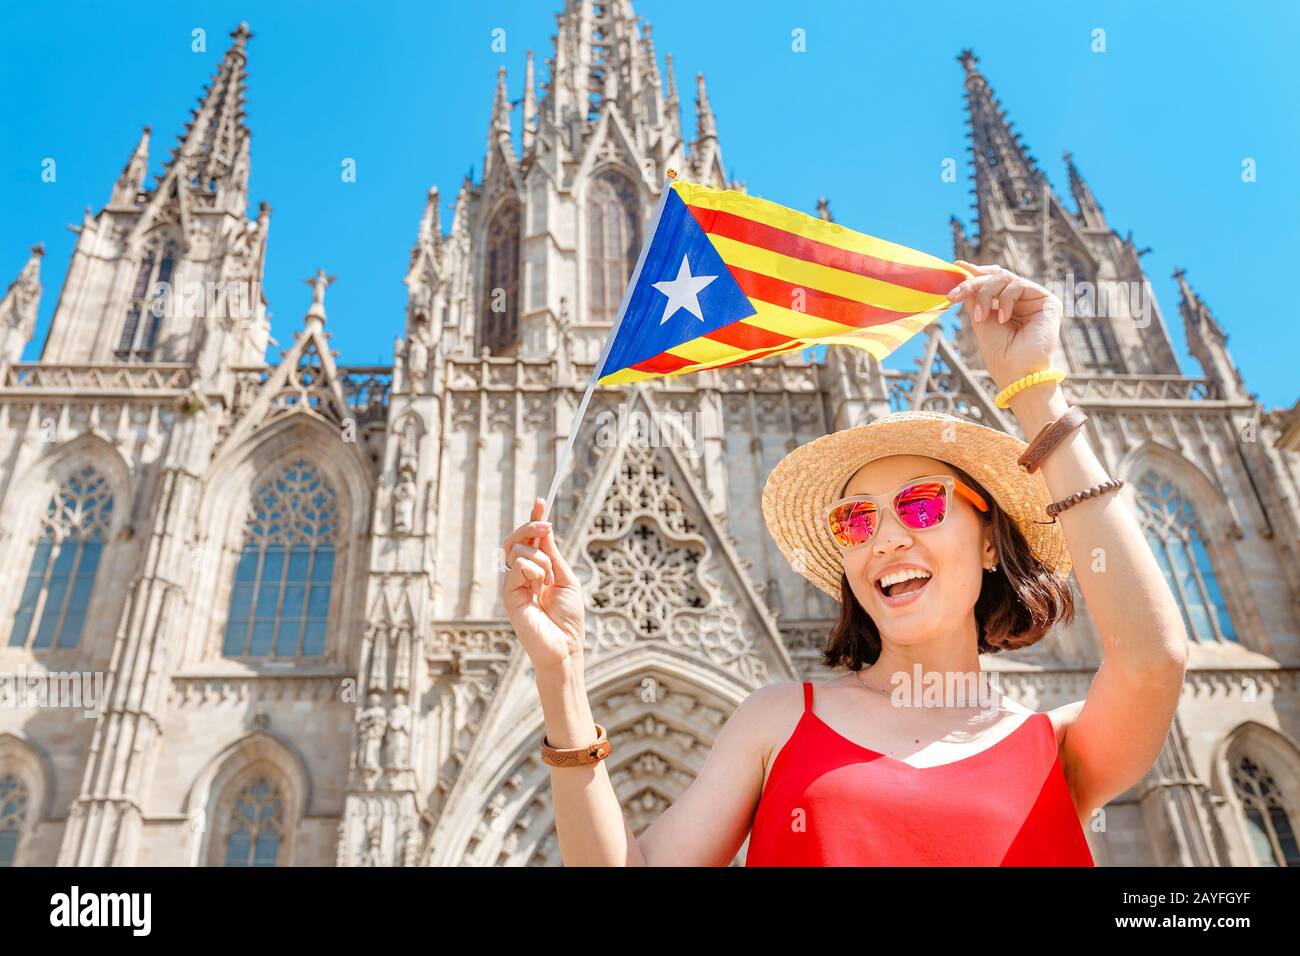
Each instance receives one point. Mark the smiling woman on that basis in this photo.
(1017, 603)
(942, 539)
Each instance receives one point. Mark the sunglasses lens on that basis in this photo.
(853, 523)
(922, 505)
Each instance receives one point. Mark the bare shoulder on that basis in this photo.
(1062, 717)
(768, 715)
(772, 704)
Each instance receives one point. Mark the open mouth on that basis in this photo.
(902, 583)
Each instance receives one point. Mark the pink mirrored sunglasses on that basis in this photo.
(919, 504)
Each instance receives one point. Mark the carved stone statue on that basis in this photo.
(404, 503)
(397, 744)
(319, 283)
(564, 323)
(341, 844)
(417, 360)
(421, 296)
(374, 847)
(408, 445)
(373, 720)
(411, 847)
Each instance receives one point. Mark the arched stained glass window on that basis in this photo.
(1272, 837)
(1175, 536)
(500, 316)
(74, 530)
(149, 301)
(279, 604)
(613, 243)
(255, 829)
(13, 816)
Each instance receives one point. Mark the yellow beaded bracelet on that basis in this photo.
(1019, 385)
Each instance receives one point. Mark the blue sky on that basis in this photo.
(1159, 124)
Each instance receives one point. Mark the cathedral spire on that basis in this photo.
(706, 127)
(131, 183)
(1207, 341)
(212, 157)
(431, 221)
(423, 288)
(530, 105)
(500, 157)
(652, 58)
(500, 109)
(1089, 211)
(1006, 176)
(601, 56)
(705, 154)
(672, 104)
(18, 308)
(960, 241)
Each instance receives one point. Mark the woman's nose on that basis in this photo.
(891, 536)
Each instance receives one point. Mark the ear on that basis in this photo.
(988, 553)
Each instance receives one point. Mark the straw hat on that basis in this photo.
(808, 479)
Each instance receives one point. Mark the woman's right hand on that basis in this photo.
(542, 596)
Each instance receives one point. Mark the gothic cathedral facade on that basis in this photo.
(288, 573)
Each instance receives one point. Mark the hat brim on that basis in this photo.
(809, 478)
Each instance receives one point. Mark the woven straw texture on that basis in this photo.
(808, 479)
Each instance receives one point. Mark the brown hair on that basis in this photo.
(1018, 603)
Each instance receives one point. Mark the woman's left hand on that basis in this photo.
(1017, 322)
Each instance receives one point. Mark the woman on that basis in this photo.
(940, 545)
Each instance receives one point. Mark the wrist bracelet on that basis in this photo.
(1046, 441)
(578, 756)
(1106, 487)
(1004, 397)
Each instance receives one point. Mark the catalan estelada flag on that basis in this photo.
(727, 278)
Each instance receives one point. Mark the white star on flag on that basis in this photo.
(683, 292)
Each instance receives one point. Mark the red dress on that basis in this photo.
(831, 802)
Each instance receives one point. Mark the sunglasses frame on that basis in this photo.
(950, 485)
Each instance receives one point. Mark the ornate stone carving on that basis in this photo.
(404, 496)
(397, 741)
(372, 723)
(654, 577)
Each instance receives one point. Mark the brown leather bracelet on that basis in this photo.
(578, 756)
(1046, 441)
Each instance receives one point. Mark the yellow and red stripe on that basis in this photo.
(810, 281)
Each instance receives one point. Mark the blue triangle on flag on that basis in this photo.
(645, 332)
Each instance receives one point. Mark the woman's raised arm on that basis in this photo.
(1122, 724)
(708, 823)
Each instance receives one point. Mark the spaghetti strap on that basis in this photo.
(807, 697)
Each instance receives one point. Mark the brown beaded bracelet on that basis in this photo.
(1106, 487)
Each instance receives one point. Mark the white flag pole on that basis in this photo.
(566, 453)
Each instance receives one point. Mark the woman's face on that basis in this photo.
(953, 554)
